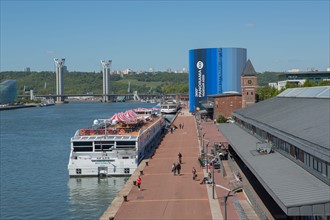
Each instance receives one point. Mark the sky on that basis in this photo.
(139, 35)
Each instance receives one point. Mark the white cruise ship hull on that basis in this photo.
(113, 155)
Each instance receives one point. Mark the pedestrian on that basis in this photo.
(180, 157)
(207, 180)
(178, 167)
(182, 125)
(138, 182)
(174, 169)
(194, 173)
(171, 130)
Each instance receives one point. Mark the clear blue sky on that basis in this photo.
(278, 35)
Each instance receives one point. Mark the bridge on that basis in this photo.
(110, 97)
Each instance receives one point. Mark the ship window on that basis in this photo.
(83, 143)
(125, 157)
(78, 171)
(102, 147)
(126, 170)
(125, 144)
(82, 149)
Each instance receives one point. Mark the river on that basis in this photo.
(35, 148)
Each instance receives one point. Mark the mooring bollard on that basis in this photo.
(111, 218)
(147, 163)
(141, 172)
(125, 198)
(134, 183)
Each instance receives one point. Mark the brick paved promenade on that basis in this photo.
(165, 196)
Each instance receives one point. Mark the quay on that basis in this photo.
(11, 107)
(165, 196)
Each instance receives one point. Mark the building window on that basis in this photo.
(78, 171)
(286, 147)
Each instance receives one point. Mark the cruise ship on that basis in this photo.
(169, 107)
(115, 146)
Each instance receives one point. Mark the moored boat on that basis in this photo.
(169, 107)
(115, 146)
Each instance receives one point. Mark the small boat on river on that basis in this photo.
(115, 146)
(169, 107)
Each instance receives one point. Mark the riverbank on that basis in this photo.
(11, 107)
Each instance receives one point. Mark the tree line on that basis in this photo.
(92, 82)
(44, 83)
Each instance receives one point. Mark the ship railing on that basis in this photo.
(121, 131)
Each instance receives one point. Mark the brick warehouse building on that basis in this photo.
(225, 104)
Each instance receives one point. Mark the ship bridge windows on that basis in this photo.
(104, 145)
(82, 146)
(125, 144)
(82, 143)
(82, 149)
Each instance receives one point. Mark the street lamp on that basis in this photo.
(205, 152)
(228, 195)
(212, 162)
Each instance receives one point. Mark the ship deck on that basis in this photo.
(122, 130)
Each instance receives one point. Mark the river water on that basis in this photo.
(34, 153)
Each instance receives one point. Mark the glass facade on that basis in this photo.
(214, 71)
(8, 91)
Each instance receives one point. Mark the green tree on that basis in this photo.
(221, 119)
(267, 92)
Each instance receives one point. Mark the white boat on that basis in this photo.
(116, 146)
(169, 107)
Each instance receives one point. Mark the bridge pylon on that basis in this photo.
(106, 79)
(59, 63)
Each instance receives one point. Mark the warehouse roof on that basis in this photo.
(294, 189)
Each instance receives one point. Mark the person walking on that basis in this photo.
(178, 167)
(194, 173)
(180, 157)
(174, 169)
(138, 182)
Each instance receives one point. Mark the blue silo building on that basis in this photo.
(8, 91)
(214, 71)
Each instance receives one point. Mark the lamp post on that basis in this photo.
(226, 198)
(212, 162)
(205, 153)
(228, 195)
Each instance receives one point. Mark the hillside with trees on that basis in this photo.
(148, 83)
(90, 82)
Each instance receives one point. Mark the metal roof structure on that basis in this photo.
(302, 121)
(294, 189)
(301, 117)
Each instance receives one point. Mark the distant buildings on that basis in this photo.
(299, 78)
(8, 91)
(214, 71)
(27, 69)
